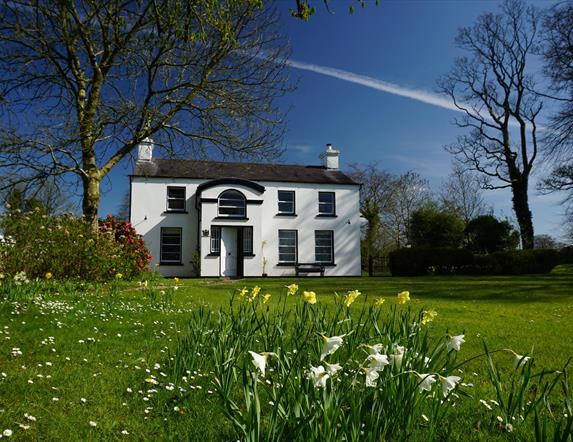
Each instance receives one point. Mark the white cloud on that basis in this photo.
(373, 83)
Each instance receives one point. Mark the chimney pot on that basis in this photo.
(145, 150)
(330, 158)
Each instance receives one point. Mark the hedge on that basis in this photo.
(424, 261)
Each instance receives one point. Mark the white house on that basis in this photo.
(245, 219)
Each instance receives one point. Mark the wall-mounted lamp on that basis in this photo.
(206, 232)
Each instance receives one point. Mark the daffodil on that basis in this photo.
(176, 280)
(455, 342)
(371, 376)
(332, 369)
(379, 302)
(377, 361)
(403, 297)
(429, 316)
(449, 383)
(330, 345)
(318, 376)
(520, 360)
(373, 349)
(397, 357)
(426, 381)
(292, 289)
(309, 297)
(49, 275)
(243, 292)
(351, 297)
(118, 275)
(260, 360)
(266, 298)
(255, 291)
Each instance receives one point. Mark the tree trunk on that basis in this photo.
(522, 212)
(90, 202)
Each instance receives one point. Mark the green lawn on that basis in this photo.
(85, 356)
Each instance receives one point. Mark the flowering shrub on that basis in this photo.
(317, 373)
(64, 247)
(134, 253)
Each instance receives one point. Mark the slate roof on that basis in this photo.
(210, 170)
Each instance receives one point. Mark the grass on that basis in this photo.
(88, 356)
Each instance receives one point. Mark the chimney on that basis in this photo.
(330, 157)
(145, 150)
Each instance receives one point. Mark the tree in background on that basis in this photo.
(431, 227)
(487, 234)
(375, 195)
(494, 92)
(82, 83)
(462, 194)
(47, 197)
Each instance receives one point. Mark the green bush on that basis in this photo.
(62, 246)
(419, 261)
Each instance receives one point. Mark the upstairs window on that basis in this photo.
(176, 198)
(232, 204)
(326, 203)
(286, 202)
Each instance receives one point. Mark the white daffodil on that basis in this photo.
(520, 361)
(449, 383)
(332, 369)
(318, 376)
(330, 345)
(455, 342)
(426, 381)
(371, 376)
(374, 349)
(260, 360)
(377, 361)
(397, 357)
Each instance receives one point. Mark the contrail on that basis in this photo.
(373, 83)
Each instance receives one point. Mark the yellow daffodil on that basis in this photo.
(118, 276)
(309, 297)
(292, 289)
(176, 280)
(429, 316)
(330, 345)
(49, 275)
(266, 298)
(351, 297)
(379, 302)
(243, 292)
(403, 297)
(255, 291)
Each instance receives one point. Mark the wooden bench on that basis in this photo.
(303, 268)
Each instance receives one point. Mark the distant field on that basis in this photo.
(71, 356)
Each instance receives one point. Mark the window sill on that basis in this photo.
(326, 264)
(165, 264)
(249, 255)
(326, 215)
(214, 254)
(286, 264)
(174, 211)
(292, 215)
(238, 218)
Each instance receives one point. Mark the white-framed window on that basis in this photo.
(324, 246)
(247, 240)
(171, 245)
(326, 203)
(232, 204)
(286, 202)
(288, 246)
(215, 239)
(176, 198)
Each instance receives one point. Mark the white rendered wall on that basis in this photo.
(148, 204)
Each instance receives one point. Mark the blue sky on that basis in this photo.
(401, 46)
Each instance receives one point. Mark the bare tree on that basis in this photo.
(493, 90)
(82, 83)
(408, 192)
(462, 194)
(375, 197)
